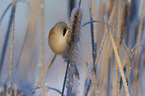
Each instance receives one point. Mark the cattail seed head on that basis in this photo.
(72, 50)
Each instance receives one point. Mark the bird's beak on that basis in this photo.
(68, 30)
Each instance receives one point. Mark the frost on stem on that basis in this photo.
(72, 50)
(71, 53)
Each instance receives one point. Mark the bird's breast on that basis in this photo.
(57, 43)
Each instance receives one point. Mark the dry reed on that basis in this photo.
(43, 74)
(43, 89)
(117, 68)
(12, 46)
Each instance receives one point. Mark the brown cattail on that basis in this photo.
(72, 51)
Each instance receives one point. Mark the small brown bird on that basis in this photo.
(58, 36)
(58, 40)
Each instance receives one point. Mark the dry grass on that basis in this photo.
(116, 51)
(12, 46)
(43, 74)
(43, 88)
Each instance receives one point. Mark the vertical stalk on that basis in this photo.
(70, 83)
(92, 35)
(64, 82)
(93, 50)
(12, 46)
(3, 52)
(42, 47)
(95, 24)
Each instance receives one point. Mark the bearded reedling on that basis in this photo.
(59, 39)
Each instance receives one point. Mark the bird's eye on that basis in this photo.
(64, 31)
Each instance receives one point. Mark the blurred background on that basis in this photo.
(27, 45)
